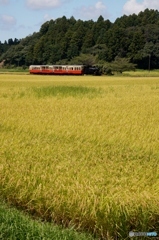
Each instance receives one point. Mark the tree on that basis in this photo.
(38, 51)
(84, 59)
(122, 64)
(118, 65)
(88, 41)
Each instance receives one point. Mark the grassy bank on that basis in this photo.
(19, 226)
(142, 73)
(82, 151)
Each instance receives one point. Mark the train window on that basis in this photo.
(36, 67)
(77, 68)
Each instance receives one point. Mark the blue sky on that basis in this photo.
(20, 18)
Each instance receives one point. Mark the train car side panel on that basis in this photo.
(63, 69)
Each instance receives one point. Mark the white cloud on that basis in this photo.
(100, 5)
(43, 4)
(47, 17)
(92, 12)
(7, 22)
(3, 2)
(133, 6)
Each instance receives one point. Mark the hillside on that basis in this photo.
(133, 39)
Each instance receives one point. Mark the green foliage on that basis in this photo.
(119, 65)
(134, 37)
(85, 59)
(19, 226)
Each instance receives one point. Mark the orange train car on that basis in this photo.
(57, 69)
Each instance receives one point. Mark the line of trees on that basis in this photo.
(131, 41)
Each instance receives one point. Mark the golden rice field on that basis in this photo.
(82, 151)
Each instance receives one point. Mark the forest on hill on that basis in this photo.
(131, 41)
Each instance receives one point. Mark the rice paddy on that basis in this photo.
(82, 151)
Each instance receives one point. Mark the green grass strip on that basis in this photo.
(15, 225)
(66, 91)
